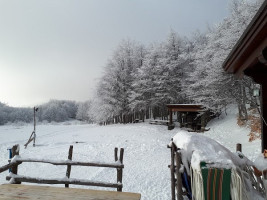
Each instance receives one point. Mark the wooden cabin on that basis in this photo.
(249, 57)
(190, 116)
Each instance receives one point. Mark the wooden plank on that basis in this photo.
(11, 192)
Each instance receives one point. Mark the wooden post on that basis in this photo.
(172, 172)
(170, 111)
(116, 154)
(203, 122)
(69, 166)
(178, 176)
(119, 171)
(34, 125)
(170, 125)
(239, 147)
(15, 151)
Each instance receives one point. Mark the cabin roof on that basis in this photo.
(250, 50)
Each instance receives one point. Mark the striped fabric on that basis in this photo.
(216, 183)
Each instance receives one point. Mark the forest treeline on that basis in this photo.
(138, 80)
(52, 111)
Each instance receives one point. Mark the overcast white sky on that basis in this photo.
(56, 49)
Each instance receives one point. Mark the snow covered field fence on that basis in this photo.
(17, 179)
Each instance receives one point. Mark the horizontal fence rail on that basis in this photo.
(69, 162)
(17, 179)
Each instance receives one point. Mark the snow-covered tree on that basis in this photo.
(114, 89)
(83, 111)
(210, 85)
(57, 110)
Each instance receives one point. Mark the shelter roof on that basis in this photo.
(185, 107)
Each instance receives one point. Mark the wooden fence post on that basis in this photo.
(239, 147)
(172, 172)
(116, 154)
(119, 171)
(14, 169)
(69, 166)
(178, 176)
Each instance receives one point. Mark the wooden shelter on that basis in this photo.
(249, 57)
(190, 116)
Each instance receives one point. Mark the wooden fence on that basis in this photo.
(17, 179)
(176, 180)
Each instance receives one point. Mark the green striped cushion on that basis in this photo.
(216, 182)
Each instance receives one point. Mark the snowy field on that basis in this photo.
(146, 155)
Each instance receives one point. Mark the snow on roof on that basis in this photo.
(196, 148)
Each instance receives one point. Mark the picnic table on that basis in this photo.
(17, 191)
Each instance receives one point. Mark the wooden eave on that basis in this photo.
(185, 107)
(251, 49)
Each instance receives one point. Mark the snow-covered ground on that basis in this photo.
(146, 155)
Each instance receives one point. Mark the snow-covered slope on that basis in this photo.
(146, 155)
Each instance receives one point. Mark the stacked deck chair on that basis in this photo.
(215, 172)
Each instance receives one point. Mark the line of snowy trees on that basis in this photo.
(53, 111)
(139, 81)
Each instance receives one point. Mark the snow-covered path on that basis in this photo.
(146, 155)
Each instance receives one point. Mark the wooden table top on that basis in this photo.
(12, 192)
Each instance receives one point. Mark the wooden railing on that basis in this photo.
(17, 179)
(176, 180)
